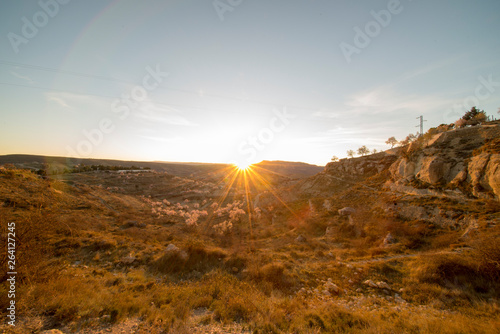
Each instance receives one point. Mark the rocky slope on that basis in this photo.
(459, 162)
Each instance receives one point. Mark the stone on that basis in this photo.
(370, 283)
(347, 211)
(399, 300)
(383, 285)
(300, 238)
(492, 175)
(332, 287)
(172, 248)
(128, 259)
(412, 212)
(432, 170)
(388, 240)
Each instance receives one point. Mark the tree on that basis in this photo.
(374, 151)
(392, 141)
(474, 117)
(411, 137)
(350, 153)
(460, 123)
(363, 150)
(473, 113)
(335, 158)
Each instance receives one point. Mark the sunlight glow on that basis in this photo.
(242, 166)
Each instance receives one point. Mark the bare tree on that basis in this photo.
(392, 141)
(363, 150)
(411, 137)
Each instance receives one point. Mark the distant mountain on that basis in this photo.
(184, 169)
(289, 168)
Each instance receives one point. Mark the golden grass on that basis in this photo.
(84, 265)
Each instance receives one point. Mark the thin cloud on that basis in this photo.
(326, 113)
(161, 139)
(162, 114)
(385, 100)
(26, 78)
(59, 101)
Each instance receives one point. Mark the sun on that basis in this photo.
(242, 166)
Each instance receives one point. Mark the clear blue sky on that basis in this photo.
(234, 69)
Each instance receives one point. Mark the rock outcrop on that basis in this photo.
(453, 160)
(361, 167)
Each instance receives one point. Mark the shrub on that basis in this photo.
(276, 274)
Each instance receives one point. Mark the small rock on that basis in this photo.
(332, 287)
(128, 259)
(388, 240)
(300, 238)
(399, 300)
(370, 283)
(383, 285)
(347, 211)
(172, 248)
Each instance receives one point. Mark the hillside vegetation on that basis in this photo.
(258, 252)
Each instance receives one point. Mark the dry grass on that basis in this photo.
(86, 266)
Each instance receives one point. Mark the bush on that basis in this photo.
(276, 274)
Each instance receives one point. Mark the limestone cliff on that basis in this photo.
(465, 161)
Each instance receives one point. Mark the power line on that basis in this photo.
(169, 105)
(85, 75)
(421, 125)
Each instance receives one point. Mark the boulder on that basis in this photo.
(433, 170)
(491, 179)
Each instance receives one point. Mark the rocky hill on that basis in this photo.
(458, 163)
(464, 161)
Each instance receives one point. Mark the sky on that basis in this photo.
(239, 80)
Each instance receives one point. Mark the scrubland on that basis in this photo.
(154, 253)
